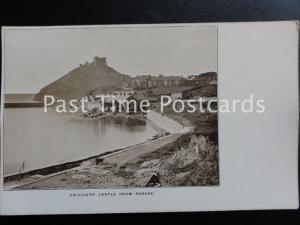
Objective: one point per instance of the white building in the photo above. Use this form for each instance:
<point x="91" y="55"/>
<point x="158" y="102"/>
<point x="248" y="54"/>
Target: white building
<point x="122" y="94"/>
<point x="176" y="95"/>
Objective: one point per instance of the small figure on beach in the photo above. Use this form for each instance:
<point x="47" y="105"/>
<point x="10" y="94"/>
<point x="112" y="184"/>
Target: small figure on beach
<point x="22" y="168"/>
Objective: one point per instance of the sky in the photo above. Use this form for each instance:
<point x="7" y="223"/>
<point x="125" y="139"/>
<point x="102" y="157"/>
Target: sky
<point x="35" y="57"/>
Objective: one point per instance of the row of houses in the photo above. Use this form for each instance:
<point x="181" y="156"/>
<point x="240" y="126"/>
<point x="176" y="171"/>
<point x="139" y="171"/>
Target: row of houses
<point x="112" y="94"/>
<point x="181" y="92"/>
<point x="148" y="81"/>
<point x="206" y="88"/>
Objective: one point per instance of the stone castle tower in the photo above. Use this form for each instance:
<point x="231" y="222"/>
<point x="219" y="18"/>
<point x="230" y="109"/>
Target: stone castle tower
<point x="97" y="61"/>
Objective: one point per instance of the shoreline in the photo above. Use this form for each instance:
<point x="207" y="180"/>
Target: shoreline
<point x="72" y="164"/>
<point x="51" y="171"/>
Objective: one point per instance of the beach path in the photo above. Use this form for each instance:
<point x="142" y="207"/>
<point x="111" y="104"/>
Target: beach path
<point x="122" y="157"/>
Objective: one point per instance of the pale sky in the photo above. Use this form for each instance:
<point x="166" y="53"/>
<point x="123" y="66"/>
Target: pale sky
<point x="35" y="57"/>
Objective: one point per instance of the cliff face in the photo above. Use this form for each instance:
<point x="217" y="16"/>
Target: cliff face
<point x="79" y="81"/>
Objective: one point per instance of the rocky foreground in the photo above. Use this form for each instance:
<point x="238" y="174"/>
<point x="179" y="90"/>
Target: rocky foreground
<point x="191" y="160"/>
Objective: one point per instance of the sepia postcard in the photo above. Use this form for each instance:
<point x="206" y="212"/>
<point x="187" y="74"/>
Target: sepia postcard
<point x="149" y="118"/>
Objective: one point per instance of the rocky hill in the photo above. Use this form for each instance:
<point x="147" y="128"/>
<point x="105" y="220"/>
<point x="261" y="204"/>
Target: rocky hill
<point x="97" y="75"/>
<point x="84" y="78"/>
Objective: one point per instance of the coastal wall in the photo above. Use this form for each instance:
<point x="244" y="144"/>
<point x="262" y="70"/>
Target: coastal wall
<point x="21" y="101"/>
<point x="165" y="122"/>
<point x="23" y="104"/>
